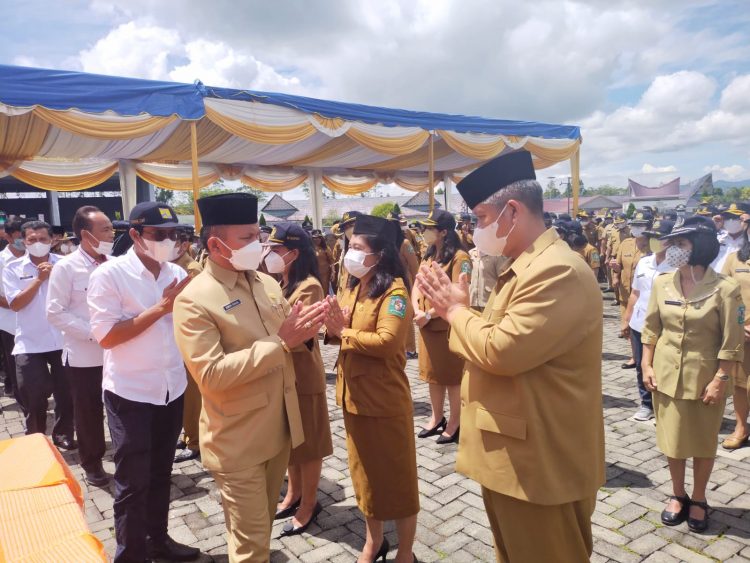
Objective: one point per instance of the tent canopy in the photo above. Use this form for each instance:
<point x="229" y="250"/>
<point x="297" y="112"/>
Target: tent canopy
<point x="64" y="130"/>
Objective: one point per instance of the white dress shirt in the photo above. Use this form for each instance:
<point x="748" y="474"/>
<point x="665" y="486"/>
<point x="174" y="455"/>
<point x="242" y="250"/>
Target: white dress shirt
<point x="68" y="310"/>
<point x="147" y="368"/>
<point x="33" y="333"/>
<point x="7" y="316"/>
<point x="728" y="245"/>
<point x="643" y="279"/>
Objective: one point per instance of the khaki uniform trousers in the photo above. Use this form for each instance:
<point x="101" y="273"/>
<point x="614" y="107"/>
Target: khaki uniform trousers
<point x="191" y="414"/>
<point x="249" y="500"/>
<point x="532" y="533"/>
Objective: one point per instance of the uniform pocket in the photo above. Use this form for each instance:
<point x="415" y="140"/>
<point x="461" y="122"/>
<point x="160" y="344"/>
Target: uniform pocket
<point x="505" y="424"/>
<point x="80" y="285"/>
<point x="245" y="404"/>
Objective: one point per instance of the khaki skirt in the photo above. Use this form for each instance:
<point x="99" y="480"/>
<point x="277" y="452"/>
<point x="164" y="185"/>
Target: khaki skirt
<point x="687" y="428"/>
<point x="437" y="364"/>
<point x="315" y="422"/>
<point x="383" y="465"/>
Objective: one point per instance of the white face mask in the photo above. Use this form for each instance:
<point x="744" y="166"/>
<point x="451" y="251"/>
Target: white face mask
<point x="354" y="262"/>
<point x="246" y="258"/>
<point x="102" y="246"/>
<point x="677" y="257"/>
<point x="487" y="242"/>
<point x="39" y="249"/>
<point x="275" y="263"/>
<point x="732" y="226"/>
<point x="429" y="236"/>
<point x="162" y="251"/>
<point x="637" y="231"/>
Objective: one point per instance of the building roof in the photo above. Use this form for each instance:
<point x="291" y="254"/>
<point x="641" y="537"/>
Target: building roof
<point x="278" y="203"/>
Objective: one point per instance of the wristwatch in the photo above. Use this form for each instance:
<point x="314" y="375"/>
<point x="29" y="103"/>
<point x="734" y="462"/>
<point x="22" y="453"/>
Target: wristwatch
<point x="722" y="376"/>
<point x="428" y="316"/>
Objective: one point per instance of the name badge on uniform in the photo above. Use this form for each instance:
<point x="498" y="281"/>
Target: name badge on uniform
<point x="232" y="305"/>
<point x="743" y="270"/>
<point x="25" y="277"/>
<point x="640" y="275"/>
<point x="669" y="302"/>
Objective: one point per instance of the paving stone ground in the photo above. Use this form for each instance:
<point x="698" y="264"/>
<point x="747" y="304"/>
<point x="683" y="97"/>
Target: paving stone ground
<point x="452" y="524"/>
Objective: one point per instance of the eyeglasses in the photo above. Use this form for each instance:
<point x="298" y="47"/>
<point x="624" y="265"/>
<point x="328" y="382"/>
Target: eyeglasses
<point x="159" y="235"/>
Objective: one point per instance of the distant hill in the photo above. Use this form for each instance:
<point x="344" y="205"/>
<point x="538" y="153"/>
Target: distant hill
<point x="723" y="184"/>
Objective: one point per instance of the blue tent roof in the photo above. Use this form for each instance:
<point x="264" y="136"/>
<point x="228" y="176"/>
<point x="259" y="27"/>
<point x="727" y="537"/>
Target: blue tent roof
<point x="94" y="93"/>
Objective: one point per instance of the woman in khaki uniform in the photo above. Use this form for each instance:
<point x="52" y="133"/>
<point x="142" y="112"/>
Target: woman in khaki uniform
<point x="324" y="258"/>
<point x="290" y="254"/>
<point x="438" y="366"/>
<point x="370" y="321"/>
<point x="692" y="341"/>
<point x="737" y="267"/>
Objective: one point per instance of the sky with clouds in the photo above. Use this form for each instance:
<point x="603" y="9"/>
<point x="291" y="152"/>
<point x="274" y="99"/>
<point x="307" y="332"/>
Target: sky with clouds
<point x="660" y="88"/>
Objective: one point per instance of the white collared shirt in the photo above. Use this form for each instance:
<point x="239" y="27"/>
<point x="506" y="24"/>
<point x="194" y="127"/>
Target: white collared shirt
<point x="7" y="316"/>
<point x="33" y="333"/>
<point x="727" y="247"/>
<point x="147" y="368"/>
<point x="643" y="280"/>
<point x="68" y="310"/>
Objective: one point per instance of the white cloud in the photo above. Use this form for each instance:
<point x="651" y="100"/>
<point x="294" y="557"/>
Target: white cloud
<point x="651" y="169"/>
<point x="732" y="172"/>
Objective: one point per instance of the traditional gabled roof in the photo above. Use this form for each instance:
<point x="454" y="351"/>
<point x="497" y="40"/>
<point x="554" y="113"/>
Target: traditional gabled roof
<point x="420" y="200"/>
<point x="668" y="190"/>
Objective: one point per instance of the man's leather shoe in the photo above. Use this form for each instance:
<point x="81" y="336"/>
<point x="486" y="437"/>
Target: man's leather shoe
<point x="98" y="477"/>
<point x="65" y="443"/>
<point x="186" y="455"/>
<point x="171" y="550"/>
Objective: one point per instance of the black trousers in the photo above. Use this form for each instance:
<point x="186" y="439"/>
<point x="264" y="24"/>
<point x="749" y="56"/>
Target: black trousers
<point x="86" y="388"/>
<point x="7" y="341"/>
<point x="38" y="376"/>
<point x="143" y="436"/>
<point x="646" y="398"/>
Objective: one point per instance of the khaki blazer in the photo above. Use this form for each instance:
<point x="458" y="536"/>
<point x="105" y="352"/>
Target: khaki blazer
<point x="371" y="380"/>
<point x="692" y="335"/>
<point x="627" y="257"/>
<point x="409" y="260"/>
<point x="740" y="272"/>
<point x="226" y="326"/>
<point x="615" y="239"/>
<point x="460" y="264"/>
<point x="531" y="398"/>
<point x="325" y="265"/>
<point x="187" y="263"/>
<point x="308" y="363"/>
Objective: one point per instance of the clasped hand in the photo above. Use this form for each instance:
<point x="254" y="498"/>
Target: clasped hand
<point x="444" y="295"/>
<point x="303" y="323"/>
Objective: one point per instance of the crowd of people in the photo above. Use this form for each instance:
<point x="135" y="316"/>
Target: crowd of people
<point x="209" y="347"/>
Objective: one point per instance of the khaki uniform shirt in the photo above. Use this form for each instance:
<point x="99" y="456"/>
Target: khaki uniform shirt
<point x="615" y="240"/>
<point x="187" y="263"/>
<point x="466" y="240"/>
<point x="691" y="335"/>
<point x="627" y="257"/>
<point x="308" y="363"/>
<point x="409" y="260"/>
<point x="325" y="265"/>
<point x="484" y="273"/>
<point x="740" y="272"/>
<point x="592" y="234"/>
<point x="460" y="264"/>
<point x="371" y="380"/>
<point x="412" y="238"/>
<point x="226" y="326"/>
<point x="531" y="419"/>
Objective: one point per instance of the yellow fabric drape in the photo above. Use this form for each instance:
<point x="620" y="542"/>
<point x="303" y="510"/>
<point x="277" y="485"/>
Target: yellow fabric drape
<point x="99" y="129"/>
<point x="417" y="158"/>
<point x="479" y="151"/>
<point x="548" y="156"/>
<point x="65" y="183"/>
<point x="575" y="172"/>
<point x="415" y="185"/>
<point x="22" y="136"/>
<point x="194" y="177"/>
<point x="349" y="189"/>
<point x="330" y="150"/>
<point x="386" y="145"/>
<point x="263" y="134"/>
<point x="176" y="183"/>
<point x="177" y="146"/>
<point x="268" y="185"/>
<point x="331" y="123"/>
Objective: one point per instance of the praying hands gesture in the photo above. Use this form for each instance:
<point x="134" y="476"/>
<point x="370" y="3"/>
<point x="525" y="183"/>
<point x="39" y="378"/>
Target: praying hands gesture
<point x="337" y="319"/>
<point x="303" y="323"/>
<point x="444" y="295"/>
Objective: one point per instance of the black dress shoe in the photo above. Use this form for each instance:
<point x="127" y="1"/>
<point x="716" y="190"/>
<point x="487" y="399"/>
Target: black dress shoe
<point x="434" y="431"/>
<point x="290" y="529"/>
<point x="412" y="355"/>
<point x="171" y="550"/>
<point x="186" y="455"/>
<point x="675" y="518"/>
<point x="65" y="443"/>
<point x="696" y="525"/>
<point x="628" y="366"/>
<point x="383" y="551"/>
<point x="288" y="511"/>
<point x="98" y="477"/>
<point x="181" y="445"/>
<point x="449" y="439"/>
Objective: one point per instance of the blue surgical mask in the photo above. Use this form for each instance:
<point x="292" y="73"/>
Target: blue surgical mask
<point x="18" y="244"/>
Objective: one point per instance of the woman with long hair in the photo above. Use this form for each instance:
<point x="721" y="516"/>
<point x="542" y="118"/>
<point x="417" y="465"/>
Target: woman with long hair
<point x="693" y="340"/>
<point x="438" y="366"/>
<point x="370" y="320"/>
<point x="290" y="255"/>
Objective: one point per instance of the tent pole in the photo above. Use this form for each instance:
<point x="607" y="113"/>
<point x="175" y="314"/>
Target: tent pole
<point x="431" y="173"/>
<point x="447" y="189"/>
<point x="316" y="196"/>
<point x="575" y="170"/>
<point x="194" y="163"/>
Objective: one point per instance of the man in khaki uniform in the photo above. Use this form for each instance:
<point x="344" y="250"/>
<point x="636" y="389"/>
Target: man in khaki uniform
<point x="485" y="270"/>
<point x="411" y="264"/>
<point x="346" y="227"/>
<point x="629" y="251"/>
<point x="532" y="430"/>
<point x="619" y="233"/>
<point x="235" y="332"/>
<point x="464" y="231"/>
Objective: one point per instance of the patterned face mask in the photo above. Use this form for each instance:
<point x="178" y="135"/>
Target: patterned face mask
<point x="678" y="257"/>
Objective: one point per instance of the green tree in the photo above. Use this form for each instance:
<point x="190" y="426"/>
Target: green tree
<point x="439" y="191"/>
<point x="331" y="218"/>
<point x="382" y="209"/>
<point x="262" y="220"/>
<point x="218" y="187"/>
<point x="631" y="211"/>
<point x="552" y="192"/>
<point x="163" y="196"/>
<point x="396" y="209"/>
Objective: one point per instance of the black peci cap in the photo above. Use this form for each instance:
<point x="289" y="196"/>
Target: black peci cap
<point x="153" y="214"/>
<point x="441" y="220"/>
<point x="377" y="227"/>
<point x="288" y="234"/>
<point x="237" y="208"/>
<point x="494" y="175"/>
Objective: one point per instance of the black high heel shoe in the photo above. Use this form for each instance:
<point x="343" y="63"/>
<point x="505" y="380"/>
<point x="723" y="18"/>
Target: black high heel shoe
<point x="675" y="518"/>
<point x="434" y="431"/>
<point x="290" y="529"/>
<point x="288" y="511"/>
<point x="383" y="551"/>
<point x="696" y="525"/>
<point x="449" y="439"/>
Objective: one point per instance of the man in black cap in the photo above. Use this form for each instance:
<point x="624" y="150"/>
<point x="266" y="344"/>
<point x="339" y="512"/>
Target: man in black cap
<point x="236" y="333"/>
<point x="130" y="300"/>
<point x="532" y="430"/>
<point x="464" y="231"/>
<point x="346" y="226"/>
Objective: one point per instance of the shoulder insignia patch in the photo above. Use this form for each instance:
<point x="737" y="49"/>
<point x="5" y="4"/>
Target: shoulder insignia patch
<point x="741" y="315"/>
<point x="397" y="306"/>
<point x="466" y="267"/>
